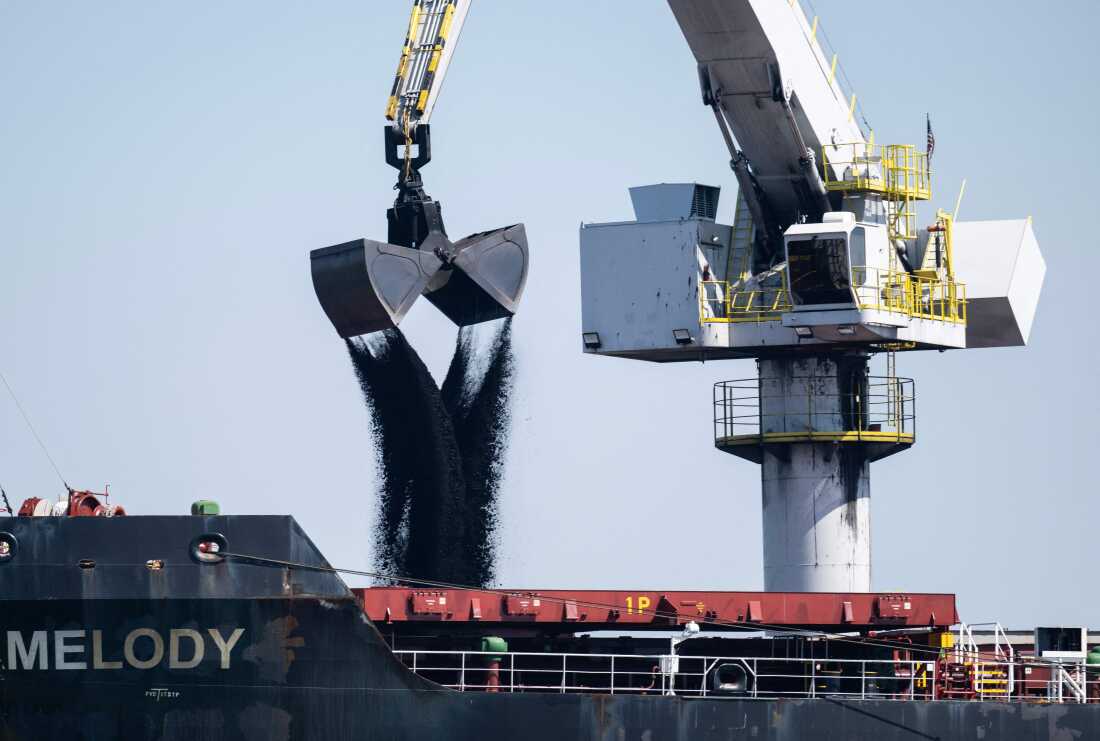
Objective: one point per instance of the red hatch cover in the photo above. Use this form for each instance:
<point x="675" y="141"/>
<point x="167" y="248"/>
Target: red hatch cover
<point x="429" y="603"/>
<point x="526" y="605"/>
<point x="893" y="607"/>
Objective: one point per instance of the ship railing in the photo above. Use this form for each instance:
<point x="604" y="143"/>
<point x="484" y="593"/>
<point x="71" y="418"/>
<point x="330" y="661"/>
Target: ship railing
<point x="966" y="643"/>
<point x="1072" y="680"/>
<point x="684" y="676"/>
<point x="759" y="678"/>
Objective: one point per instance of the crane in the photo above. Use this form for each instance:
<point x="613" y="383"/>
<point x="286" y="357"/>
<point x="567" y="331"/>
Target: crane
<point x="824" y="266"/>
<point x="365" y="285"/>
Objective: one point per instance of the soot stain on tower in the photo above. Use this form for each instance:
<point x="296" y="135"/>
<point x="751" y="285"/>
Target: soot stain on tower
<point x="440" y="451"/>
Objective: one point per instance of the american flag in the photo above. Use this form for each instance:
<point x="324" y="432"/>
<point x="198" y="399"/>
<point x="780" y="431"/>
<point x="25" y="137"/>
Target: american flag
<point x="930" y="147"/>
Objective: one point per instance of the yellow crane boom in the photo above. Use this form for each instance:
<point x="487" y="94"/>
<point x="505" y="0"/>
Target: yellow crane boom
<point x="434" y="28"/>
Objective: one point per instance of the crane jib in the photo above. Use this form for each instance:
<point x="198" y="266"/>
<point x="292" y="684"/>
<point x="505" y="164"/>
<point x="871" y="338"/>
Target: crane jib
<point x="434" y="27"/>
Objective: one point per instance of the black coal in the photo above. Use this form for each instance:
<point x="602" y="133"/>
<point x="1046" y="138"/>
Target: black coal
<point x="440" y="453"/>
<point x="478" y="404"/>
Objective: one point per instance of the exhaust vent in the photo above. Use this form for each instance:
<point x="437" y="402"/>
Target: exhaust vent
<point x="675" y="202"/>
<point x="704" y="202"/>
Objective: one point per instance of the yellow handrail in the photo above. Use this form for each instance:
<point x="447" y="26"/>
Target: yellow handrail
<point x="917" y="296"/>
<point x="920" y="297"/>
<point x="895" y="171"/>
<point x="718" y="304"/>
<point x="883" y="410"/>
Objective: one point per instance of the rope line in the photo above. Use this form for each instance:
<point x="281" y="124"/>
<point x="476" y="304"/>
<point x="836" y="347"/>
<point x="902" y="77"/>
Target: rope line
<point x="34" y="432"/>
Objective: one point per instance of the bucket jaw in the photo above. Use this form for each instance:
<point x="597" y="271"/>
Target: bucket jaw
<point x="366" y="286"/>
<point x="484" y="279"/>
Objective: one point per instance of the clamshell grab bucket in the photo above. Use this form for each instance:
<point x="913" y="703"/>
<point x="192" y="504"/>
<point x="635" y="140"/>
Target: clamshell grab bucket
<point x="366" y="286"/>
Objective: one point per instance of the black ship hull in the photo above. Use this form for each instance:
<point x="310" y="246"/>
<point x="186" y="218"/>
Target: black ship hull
<point x="111" y="629"/>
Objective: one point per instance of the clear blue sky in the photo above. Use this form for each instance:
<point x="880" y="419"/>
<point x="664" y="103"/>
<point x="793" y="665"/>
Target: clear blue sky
<point x="167" y="167"/>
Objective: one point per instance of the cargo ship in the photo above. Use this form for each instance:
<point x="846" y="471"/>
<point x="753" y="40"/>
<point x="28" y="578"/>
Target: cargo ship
<point x="208" y="627"/>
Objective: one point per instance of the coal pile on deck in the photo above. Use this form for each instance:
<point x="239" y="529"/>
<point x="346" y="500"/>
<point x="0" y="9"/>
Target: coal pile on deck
<point x="440" y="451"/>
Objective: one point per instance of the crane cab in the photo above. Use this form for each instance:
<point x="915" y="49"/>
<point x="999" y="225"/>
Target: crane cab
<point x="847" y="283"/>
<point x="829" y="263"/>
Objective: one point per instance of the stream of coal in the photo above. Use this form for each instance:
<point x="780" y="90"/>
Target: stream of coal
<point x="440" y="451"/>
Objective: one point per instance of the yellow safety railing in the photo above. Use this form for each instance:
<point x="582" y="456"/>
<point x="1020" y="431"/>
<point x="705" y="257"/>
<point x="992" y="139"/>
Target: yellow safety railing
<point x="879" y="289"/>
<point x="719" y="303"/>
<point x="754" y="410"/>
<point x="895" y="171"/>
<point x="912" y="295"/>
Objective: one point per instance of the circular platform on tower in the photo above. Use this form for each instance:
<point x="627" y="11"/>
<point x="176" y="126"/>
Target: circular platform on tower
<point x="752" y="415"/>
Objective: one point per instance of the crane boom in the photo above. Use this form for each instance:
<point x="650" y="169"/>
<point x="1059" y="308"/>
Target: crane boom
<point x="762" y="70"/>
<point x="434" y="28"/>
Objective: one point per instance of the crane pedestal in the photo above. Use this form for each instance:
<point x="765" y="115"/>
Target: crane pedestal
<point x="814" y="423"/>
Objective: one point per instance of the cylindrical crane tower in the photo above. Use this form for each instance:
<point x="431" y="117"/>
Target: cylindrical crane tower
<point x="814" y="423"/>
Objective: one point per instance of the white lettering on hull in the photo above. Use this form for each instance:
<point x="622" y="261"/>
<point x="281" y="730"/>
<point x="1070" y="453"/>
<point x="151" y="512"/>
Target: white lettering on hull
<point x="142" y="649"/>
<point x="130" y="654"/>
<point x="226" y="646"/>
<point x="61" y="649"/>
<point x="198" y="648"/>
<point x="97" y="653"/>
<point x="19" y="653"/>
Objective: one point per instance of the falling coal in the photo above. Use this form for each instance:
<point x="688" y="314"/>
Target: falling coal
<point x="419" y="528"/>
<point x="476" y="393"/>
<point x="440" y="451"/>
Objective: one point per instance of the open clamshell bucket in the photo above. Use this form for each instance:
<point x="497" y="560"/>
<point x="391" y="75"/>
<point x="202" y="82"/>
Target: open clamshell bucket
<point x="485" y="278"/>
<point x="366" y="286"/>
